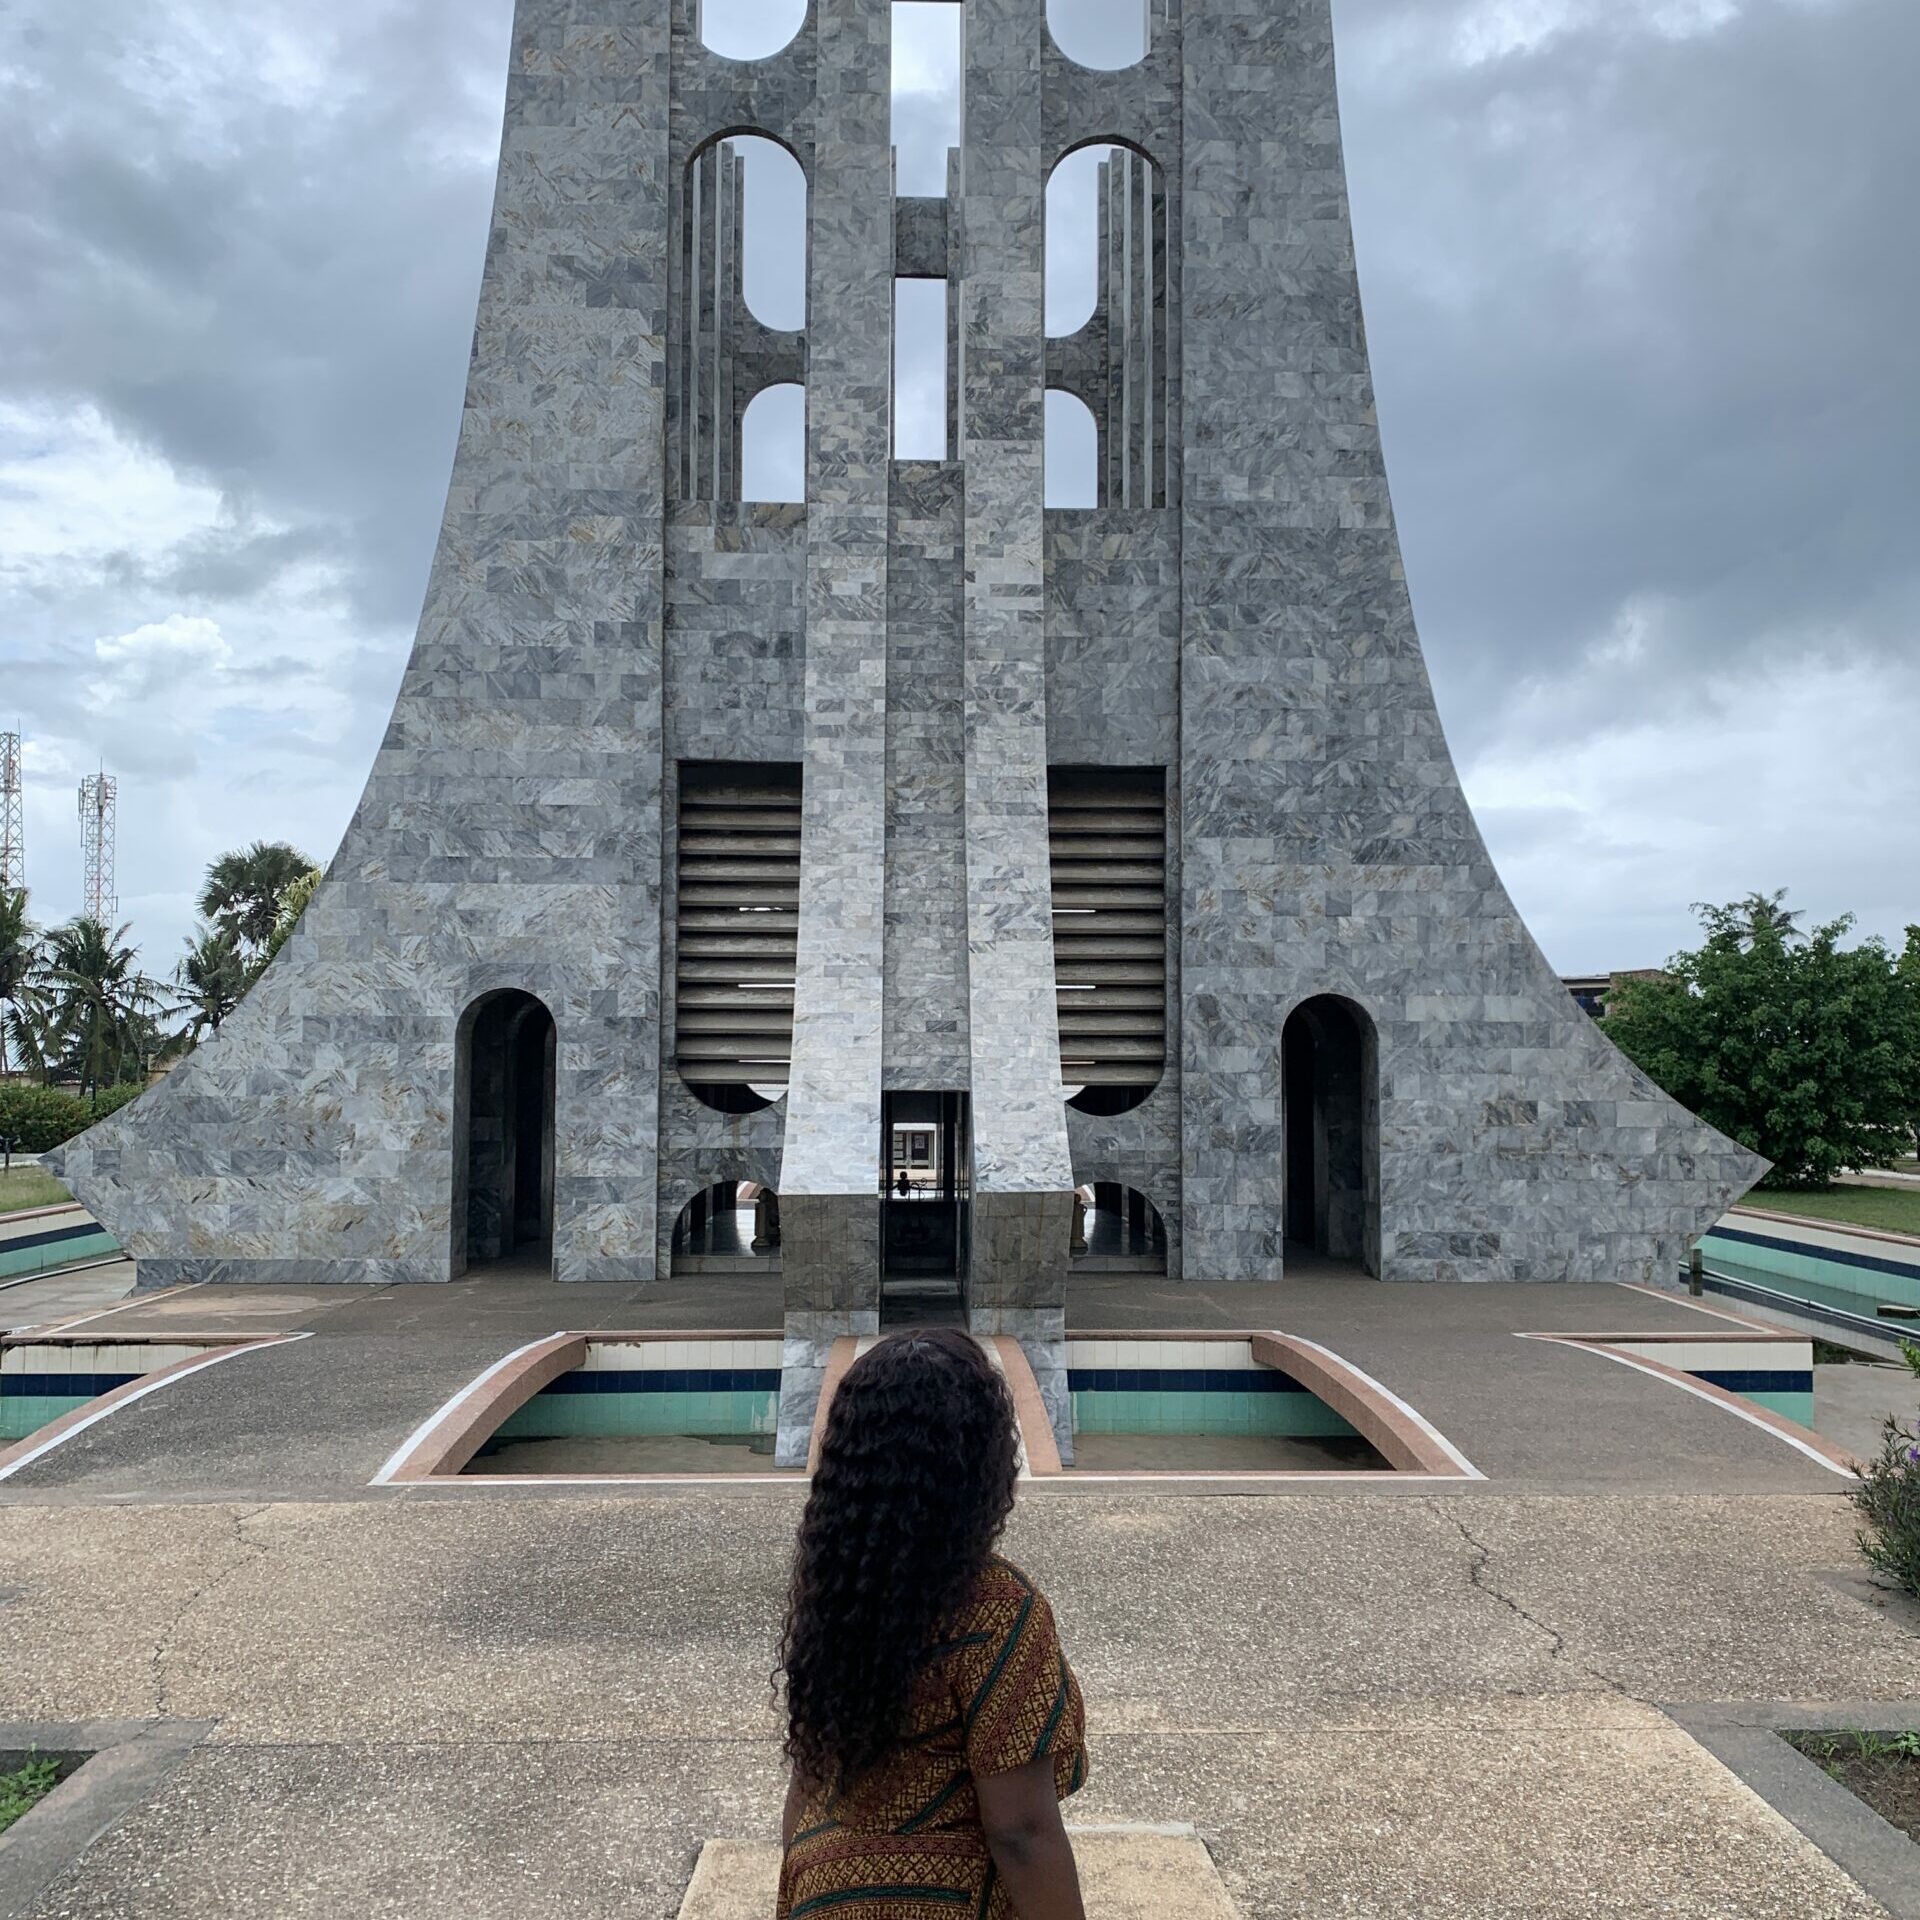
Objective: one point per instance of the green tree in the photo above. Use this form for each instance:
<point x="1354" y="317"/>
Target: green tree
<point x="293" y="903"/>
<point x="1910" y="987"/>
<point x="101" y="1013"/>
<point x="212" y="978"/>
<point x="1798" y="1049"/>
<point x="22" y="966"/>
<point x="245" y="891"/>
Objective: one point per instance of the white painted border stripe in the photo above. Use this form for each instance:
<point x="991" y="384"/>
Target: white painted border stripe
<point x="418" y="1437"/>
<point x="464" y="1482"/>
<point x="1258" y="1477"/>
<point x="1468" y="1471"/>
<point x="1693" y="1387"/>
<point x="140" y="1393"/>
<point x="1062" y="1483"/>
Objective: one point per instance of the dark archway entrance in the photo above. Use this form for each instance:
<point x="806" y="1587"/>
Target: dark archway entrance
<point x="503" y="1154"/>
<point x="732" y="1226"/>
<point x="1119" y="1230"/>
<point x="1330" y="1085"/>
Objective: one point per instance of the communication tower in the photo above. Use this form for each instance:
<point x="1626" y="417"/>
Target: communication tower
<point x="13" y="827"/>
<point x="99" y="795"/>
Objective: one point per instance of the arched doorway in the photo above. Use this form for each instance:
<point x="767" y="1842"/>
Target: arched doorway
<point x="1117" y="1230"/>
<point x="1330" y="1088"/>
<point x="731" y="1226"/>
<point x="503" y="1150"/>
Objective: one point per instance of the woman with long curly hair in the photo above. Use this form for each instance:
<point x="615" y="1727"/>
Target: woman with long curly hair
<point x="933" y="1724"/>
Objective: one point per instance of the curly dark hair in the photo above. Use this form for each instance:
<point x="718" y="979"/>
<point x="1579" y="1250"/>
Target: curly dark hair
<point x="915" y="1482"/>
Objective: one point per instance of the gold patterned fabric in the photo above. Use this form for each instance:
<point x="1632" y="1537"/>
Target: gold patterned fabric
<point x="906" y="1843"/>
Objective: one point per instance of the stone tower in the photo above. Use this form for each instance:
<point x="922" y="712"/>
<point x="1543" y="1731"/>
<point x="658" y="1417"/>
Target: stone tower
<point x="1114" y="849"/>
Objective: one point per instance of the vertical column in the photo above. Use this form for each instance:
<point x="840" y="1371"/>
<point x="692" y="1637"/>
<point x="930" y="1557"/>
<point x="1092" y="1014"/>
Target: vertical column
<point x="1113" y="315"/>
<point x="1023" y="1182"/>
<point x="954" y="449"/>
<point x="830" y="1173"/>
<point x="565" y="419"/>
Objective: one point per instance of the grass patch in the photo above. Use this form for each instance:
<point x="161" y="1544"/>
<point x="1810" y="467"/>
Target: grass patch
<point x="24" y="1187"/>
<point x="26" y="1786"/>
<point x="1826" y="1354"/>
<point x="1887" y="1209"/>
<point x="1883" y="1769"/>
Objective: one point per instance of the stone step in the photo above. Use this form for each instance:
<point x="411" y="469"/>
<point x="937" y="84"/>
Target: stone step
<point x="1126" y="1873"/>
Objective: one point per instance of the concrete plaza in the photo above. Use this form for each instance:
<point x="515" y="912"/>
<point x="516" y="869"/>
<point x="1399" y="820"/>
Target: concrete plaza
<point x="1389" y="1700"/>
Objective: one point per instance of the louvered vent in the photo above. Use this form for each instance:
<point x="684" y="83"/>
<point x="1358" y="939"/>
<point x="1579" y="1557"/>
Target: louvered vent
<point x="738" y="930"/>
<point x="1109" y="832"/>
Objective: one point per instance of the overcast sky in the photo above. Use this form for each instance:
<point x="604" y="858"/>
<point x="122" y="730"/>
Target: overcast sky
<point x="1641" y="286"/>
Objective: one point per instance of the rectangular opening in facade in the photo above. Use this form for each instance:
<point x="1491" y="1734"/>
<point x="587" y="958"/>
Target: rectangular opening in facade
<point x="736" y="935"/>
<point x="924" y="1165"/>
<point x="926" y="93"/>
<point x="921" y="374"/>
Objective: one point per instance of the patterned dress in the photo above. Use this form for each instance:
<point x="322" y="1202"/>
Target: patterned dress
<point x="907" y="1843"/>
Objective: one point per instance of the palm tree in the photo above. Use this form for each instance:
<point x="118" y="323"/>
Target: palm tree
<point x="244" y="891"/>
<point x="20" y="970"/>
<point x="1768" y="913"/>
<point x="293" y="903"/>
<point x="1760" y="916"/>
<point x="213" y="979"/>
<point x="102" y="1005"/>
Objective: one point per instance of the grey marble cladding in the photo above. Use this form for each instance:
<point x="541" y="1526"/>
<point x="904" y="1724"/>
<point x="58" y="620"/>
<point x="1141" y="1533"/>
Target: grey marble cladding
<point x="1022" y="1166"/>
<point x="830" y="1168"/>
<point x="926" y="1042"/>
<point x="925" y="640"/>
<point x="509" y="834"/>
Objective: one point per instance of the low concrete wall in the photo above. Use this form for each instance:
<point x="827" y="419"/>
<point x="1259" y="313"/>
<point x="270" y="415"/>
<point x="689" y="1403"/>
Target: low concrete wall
<point x="1879" y="1266"/>
<point x="48" y="1237"/>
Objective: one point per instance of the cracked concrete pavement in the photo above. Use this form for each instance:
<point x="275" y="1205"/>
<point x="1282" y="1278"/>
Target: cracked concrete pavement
<point x="1365" y="1706"/>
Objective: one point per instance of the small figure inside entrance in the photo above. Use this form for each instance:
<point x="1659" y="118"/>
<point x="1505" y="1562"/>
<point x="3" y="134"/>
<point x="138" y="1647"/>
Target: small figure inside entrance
<point x="903" y="1187"/>
<point x="933" y="1723"/>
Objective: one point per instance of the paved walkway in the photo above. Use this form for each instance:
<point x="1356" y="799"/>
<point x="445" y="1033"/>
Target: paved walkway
<point x="1384" y="1702"/>
<point x="529" y="1709"/>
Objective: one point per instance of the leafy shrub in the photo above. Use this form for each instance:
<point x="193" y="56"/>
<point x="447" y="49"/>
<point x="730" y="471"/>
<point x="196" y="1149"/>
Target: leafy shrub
<point x="112" y="1099"/>
<point x="1888" y="1499"/>
<point x="38" y="1119"/>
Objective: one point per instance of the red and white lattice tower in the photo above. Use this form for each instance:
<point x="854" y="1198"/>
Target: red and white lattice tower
<point x="13" y="824"/>
<point x="99" y="794"/>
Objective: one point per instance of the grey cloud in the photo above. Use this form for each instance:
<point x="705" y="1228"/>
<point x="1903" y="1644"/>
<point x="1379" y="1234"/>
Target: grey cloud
<point x="1641" y="312"/>
<point x="275" y="299"/>
<point x="1640" y="303"/>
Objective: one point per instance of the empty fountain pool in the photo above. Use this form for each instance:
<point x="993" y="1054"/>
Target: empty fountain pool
<point x="627" y="1406"/>
<point x="1164" y="1403"/>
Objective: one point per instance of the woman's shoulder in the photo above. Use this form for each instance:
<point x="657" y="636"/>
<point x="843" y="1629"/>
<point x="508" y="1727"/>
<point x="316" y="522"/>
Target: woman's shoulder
<point x="1005" y="1593"/>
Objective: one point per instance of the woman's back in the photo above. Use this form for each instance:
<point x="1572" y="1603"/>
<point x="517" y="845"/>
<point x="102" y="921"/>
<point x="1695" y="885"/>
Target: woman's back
<point x="931" y="1752"/>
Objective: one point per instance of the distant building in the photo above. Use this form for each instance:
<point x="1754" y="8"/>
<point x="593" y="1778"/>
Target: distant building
<point x="1590" y="990"/>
